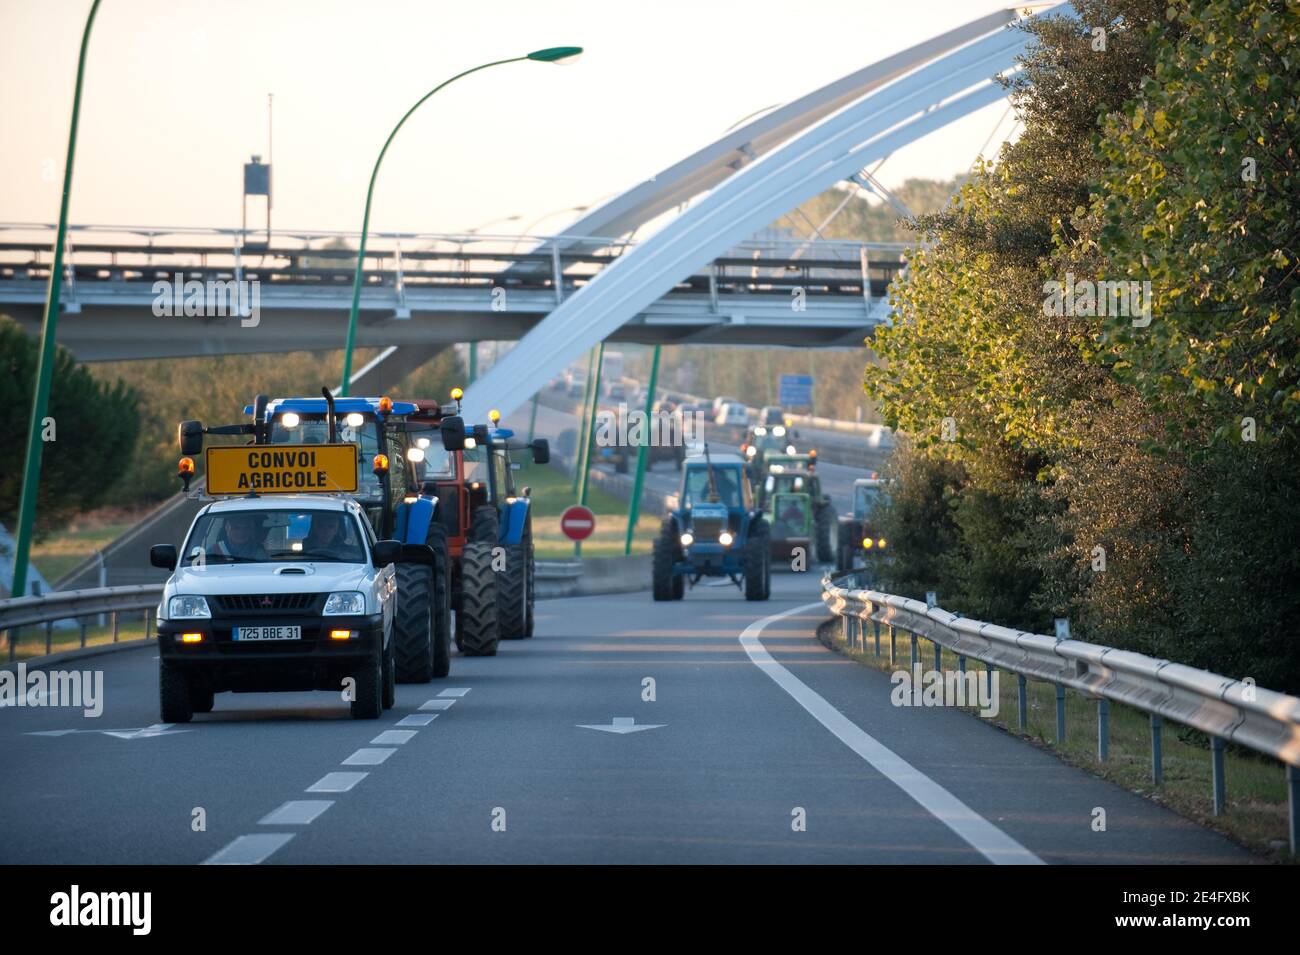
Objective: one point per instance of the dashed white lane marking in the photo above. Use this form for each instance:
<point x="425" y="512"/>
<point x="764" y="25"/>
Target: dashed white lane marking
<point x="436" y="704"/>
<point x="336" y="782"/>
<point x="249" y="850"/>
<point x="986" y="838"/>
<point x="392" y="737"/>
<point x="296" y="812"/>
<point x="417" y="719"/>
<point x="368" y="757"/>
<point x="455" y="691"/>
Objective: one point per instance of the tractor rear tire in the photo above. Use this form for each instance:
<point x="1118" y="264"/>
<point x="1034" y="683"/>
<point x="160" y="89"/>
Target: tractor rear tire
<point x="825" y="527"/>
<point x="476" y="623"/>
<point x="413" y="623"/>
<point x="758" y="564"/>
<point x="665" y="585"/>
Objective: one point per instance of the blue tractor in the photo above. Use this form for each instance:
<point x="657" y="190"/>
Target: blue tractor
<point x="715" y="529"/>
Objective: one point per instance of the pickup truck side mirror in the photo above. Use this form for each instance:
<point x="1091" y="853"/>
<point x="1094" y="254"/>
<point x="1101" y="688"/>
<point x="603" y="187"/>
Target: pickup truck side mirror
<point x="163" y="555"/>
<point x="453" y="433"/>
<point x="387" y="552"/>
<point x="541" y="451"/>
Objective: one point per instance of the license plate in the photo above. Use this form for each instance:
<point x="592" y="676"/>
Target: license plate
<point x="268" y="633"/>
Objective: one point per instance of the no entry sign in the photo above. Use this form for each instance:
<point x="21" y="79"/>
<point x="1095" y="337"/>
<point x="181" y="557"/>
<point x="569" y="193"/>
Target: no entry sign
<point x="577" y="522"/>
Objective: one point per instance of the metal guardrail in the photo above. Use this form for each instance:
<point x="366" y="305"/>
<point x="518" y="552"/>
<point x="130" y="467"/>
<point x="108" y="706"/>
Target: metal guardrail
<point x="1223" y="708"/>
<point x="79" y="605"/>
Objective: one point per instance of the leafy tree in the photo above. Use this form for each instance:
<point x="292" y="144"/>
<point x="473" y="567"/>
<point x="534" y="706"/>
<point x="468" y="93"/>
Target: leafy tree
<point x="93" y="429"/>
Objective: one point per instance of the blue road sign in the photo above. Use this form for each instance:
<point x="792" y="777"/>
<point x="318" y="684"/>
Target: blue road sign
<point x="795" y="391"/>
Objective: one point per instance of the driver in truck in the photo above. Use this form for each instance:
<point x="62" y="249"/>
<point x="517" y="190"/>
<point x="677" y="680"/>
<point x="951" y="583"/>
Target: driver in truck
<point x="240" y="539"/>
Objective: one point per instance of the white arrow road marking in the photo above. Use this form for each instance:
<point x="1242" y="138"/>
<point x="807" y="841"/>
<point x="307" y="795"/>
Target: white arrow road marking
<point x="620" y="725"/>
<point x="249" y="850"/>
<point x="147" y="732"/>
<point x="986" y="838"/>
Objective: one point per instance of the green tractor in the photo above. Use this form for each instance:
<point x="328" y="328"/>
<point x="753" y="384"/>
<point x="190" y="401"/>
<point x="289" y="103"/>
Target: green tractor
<point x="859" y="533"/>
<point x="782" y="470"/>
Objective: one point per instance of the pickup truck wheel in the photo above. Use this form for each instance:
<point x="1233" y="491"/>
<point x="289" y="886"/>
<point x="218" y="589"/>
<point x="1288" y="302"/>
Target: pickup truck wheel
<point x="368" y="695"/>
<point x="413" y="623"/>
<point x="174" y="694"/>
<point x="477" y="619"/>
<point x="202" y="698"/>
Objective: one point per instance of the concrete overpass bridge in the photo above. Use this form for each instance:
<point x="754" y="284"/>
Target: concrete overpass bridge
<point x="422" y="290"/>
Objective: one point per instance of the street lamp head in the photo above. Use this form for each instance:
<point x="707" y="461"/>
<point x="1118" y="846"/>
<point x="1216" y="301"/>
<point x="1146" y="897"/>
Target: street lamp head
<point x="556" y="54"/>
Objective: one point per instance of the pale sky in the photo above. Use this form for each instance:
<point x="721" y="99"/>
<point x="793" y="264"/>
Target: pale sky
<point x="176" y="94"/>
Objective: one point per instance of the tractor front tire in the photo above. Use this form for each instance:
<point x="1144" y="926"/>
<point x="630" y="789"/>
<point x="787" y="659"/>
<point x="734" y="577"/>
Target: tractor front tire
<point x="758" y="564"/>
<point x="413" y="623"/>
<point x="666" y="586"/>
<point x="825" y="527"/>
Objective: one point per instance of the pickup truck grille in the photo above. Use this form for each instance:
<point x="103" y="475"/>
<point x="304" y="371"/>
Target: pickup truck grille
<point x="264" y="603"/>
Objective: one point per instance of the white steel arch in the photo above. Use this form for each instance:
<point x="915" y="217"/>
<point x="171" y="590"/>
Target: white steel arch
<point x="872" y="126"/>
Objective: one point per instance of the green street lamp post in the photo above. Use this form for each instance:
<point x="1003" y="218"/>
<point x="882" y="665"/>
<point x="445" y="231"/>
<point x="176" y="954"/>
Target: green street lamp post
<point x="49" y="328"/>
<point x="553" y="54"/>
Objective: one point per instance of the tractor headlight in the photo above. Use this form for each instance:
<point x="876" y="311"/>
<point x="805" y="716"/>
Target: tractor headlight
<point x="688" y="539"/>
<point x="789" y="449"/>
<point x="779" y="431"/>
<point x="725" y="538"/>
<point x="415" y="455"/>
<point x="188" y="607"/>
<point x="290" y="419"/>
<point x="355" y="419"/>
<point x="761" y="431"/>
<point x="345" y="602"/>
<point x="751" y="451"/>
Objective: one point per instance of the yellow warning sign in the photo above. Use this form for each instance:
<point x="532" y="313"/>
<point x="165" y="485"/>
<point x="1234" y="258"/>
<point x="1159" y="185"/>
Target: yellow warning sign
<point x="282" y="469"/>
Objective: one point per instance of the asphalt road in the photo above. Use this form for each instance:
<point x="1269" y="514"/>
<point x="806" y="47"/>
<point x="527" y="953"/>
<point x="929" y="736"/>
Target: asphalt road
<point x="756" y="725"/>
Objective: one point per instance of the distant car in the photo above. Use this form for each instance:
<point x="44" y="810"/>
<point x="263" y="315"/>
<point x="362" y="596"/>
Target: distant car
<point x="720" y="401"/>
<point x="771" y="415"/>
<point x="733" y="414"/>
<point x="617" y="392"/>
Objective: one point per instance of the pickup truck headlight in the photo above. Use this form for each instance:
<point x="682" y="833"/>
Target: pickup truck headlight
<point x="188" y="607"/>
<point x="345" y="603"/>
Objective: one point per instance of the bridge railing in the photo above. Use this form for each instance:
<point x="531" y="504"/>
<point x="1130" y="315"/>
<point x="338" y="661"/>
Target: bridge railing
<point x="1221" y="707"/>
<point x="401" y="261"/>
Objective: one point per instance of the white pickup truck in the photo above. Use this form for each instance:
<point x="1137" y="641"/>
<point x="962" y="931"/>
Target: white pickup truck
<point x="290" y="592"/>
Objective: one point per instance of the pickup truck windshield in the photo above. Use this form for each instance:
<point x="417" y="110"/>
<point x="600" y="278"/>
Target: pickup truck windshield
<point x="268" y="536"/>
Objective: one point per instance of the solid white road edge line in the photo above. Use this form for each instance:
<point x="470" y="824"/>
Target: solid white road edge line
<point x="986" y="838"/>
